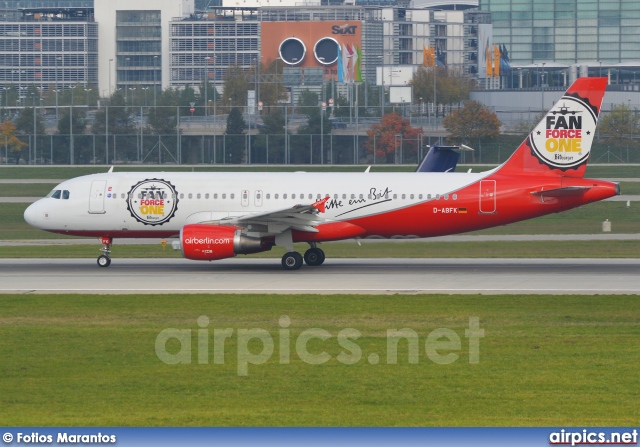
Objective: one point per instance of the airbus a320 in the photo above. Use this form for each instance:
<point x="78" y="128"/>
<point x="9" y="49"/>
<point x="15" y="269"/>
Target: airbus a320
<point x="220" y="215"/>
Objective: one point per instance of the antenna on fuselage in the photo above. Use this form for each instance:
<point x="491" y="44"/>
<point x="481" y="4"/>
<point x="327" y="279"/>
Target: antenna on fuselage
<point x="110" y="170"/>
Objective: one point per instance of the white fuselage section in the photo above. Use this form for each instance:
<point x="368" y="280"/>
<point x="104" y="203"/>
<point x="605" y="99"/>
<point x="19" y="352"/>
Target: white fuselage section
<point x="163" y="202"/>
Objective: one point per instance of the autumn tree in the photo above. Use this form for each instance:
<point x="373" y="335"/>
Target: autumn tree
<point x="387" y="136"/>
<point x="472" y="124"/>
<point x="618" y="127"/>
<point x="12" y="142"/>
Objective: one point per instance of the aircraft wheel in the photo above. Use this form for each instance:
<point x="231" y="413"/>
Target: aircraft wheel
<point x="292" y="260"/>
<point x="314" y="257"/>
<point x="104" y="261"/>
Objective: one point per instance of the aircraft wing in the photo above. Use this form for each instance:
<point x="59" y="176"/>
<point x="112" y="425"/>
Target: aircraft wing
<point x="298" y="217"/>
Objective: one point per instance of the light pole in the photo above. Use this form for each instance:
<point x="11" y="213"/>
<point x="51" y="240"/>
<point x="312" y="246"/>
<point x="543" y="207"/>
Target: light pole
<point x="57" y="59"/>
<point x="71" y="152"/>
<point x="155" y="87"/>
<point x="86" y="94"/>
<point x="542" y="88"/>
<point x="382" y="87"/>
<point x="35" y="129"/>
<point x="206" y="85"/>
<point x="126" y="78"/>
<point x="110" y="60"/>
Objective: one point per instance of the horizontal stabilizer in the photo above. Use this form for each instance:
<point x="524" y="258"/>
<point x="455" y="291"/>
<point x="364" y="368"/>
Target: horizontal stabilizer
<point x="569" y="191"/>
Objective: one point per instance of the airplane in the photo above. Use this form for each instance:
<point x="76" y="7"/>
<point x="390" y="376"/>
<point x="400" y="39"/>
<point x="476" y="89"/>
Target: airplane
<point x="221" y="215"/>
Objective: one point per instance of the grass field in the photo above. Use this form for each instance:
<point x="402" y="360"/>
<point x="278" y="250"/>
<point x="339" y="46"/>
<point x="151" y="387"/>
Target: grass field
<point x="86" y="360"/>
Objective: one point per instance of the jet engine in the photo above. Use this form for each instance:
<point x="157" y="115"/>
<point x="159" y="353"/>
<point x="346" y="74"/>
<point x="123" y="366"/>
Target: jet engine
<point x="203" y="242"/>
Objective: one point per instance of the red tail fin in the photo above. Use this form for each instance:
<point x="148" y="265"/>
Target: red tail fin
<point x="560" y="144"/>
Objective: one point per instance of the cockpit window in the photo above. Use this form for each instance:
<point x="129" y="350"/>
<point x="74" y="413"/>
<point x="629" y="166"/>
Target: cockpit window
<point x="65" y="195"/>
<point x="56" y="194"/>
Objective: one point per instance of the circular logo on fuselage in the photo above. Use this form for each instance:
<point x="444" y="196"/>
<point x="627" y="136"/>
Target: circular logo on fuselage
<point x="152" y="202"/>
<point x="563" y="138"/>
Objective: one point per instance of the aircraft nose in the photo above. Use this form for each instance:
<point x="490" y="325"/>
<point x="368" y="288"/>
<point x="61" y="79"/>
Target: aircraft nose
<point x="31" y="215"/>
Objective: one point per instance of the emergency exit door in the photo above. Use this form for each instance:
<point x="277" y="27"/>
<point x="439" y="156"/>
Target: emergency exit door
<point x="96" y="197"/>
<point x="487" y="196"/>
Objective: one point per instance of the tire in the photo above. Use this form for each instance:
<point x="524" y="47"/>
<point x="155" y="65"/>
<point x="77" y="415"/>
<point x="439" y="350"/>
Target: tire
<point x="104" y="261"/>
<point x="292" y="261"/>
<point x="314" y="257"/>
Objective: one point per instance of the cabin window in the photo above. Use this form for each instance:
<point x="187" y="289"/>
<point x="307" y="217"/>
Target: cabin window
<point x="420" y="197"/>
<point x="319" y="197"/>
<point x="404" y="196"/>
<point x="411" y="196"/>
<point x="395" y="196"/>
<point x="353" y="196"/>
<point x="335" y="196"/>
<point x="429" y="196"/>
<point x="344" y="196"/>
<point x="198" y="196"/>
<point x="275" y="196"/>
<point x="122" y="196"/>
<point x="310" y="196"/>
<point x="284" y="196"/>
<point x="181" y="195"/>
<point x="190" y="195"/>
<point x="206" y="196"/>
<point x="455" y="197"/>
<point x="446" y="197"/>
<point x="369" y="197"/>
<point x="215" y="196"/>
<point x="293" y="196"/>
<point x="232" y="196"/>
<point x="437" y="196"/>
<point x="224" y="196"/>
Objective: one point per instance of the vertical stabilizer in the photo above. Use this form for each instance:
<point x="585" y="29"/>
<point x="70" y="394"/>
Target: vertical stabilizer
<point x="561" y="143"/>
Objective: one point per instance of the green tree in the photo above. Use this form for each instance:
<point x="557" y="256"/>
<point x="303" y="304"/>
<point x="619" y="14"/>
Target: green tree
<point x="271" y="138"/>
<point x="120" y="121"/>
<point x="235" y="88"/>
<point x="234" y="136"/>
<point x="163" y="119"/>
<point x="471" y="124"/>
<point x="318" y="126"/>
<point x="619" y="127"/>
<point x="82" y="152"/>
<point x="392" y="133"/>
<point x="9" y="138"/>
<point x="450" y="88"/>
<point x="272" y="92"/>
<point x="24" y="122"/>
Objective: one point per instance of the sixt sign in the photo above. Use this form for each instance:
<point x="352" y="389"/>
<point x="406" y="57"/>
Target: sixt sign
<point x="344" y="29"/>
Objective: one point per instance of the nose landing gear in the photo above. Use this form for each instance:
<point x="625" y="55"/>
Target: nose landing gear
<point x="104" y="260"/>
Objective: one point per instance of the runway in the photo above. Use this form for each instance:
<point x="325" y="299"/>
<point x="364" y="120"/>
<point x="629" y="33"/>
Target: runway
<point x="351" y="276"/>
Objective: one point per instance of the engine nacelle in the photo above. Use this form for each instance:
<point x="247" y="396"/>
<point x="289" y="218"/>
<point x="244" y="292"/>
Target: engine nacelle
<point x="202" y="242"/>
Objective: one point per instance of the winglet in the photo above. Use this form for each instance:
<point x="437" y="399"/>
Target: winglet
<point x="320" y="204"/>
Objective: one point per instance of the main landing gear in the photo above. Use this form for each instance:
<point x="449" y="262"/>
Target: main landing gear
<point x="313" y="257"/>
<point x="104" y="260"/>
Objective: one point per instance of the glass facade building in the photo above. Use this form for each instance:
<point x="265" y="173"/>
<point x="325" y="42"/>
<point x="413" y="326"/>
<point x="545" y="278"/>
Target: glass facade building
<point x="567" y="31"/>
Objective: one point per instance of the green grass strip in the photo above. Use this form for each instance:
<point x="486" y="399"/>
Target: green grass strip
<point x="90" y="360"/>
